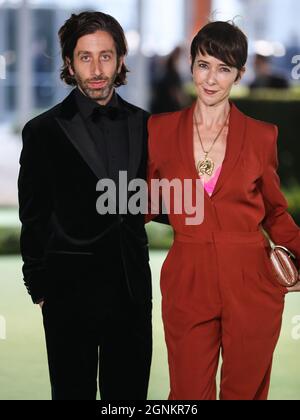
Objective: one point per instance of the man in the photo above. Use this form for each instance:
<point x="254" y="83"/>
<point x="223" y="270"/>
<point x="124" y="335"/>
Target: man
<point x="89" y="272"/>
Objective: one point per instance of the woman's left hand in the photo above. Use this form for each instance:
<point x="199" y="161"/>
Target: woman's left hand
<point x="295" y="288"/>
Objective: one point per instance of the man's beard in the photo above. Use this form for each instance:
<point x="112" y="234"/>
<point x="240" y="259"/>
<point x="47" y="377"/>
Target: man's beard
<point x="100" y="94"/>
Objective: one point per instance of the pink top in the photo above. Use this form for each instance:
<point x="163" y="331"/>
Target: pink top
<point x="210" y="185"/>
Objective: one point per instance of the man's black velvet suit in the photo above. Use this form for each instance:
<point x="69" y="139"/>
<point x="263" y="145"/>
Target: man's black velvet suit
<point x="91" y="270"/>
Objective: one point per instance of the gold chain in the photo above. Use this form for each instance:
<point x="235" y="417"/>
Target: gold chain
<point x="207" y="165"/>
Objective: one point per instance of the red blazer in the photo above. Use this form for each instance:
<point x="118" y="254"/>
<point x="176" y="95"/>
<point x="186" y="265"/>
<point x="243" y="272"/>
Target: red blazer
<point x="247" y="195"/>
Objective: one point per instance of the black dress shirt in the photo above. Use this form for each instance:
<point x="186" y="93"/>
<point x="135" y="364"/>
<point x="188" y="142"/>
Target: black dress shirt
<point x="108" y="128"/>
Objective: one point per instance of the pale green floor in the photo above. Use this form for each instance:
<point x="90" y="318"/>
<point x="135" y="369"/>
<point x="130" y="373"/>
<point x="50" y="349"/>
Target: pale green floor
<point x="23" y="364"/>
<point x="9" y="217"/>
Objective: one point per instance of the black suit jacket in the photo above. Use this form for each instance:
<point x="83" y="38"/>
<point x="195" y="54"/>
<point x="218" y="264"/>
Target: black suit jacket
<point x="62" y="234"/>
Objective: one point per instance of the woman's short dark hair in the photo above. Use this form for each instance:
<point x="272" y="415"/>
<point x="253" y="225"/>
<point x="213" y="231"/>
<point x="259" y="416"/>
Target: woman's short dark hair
<point x="84" y="24"/>
<point x="222" y="40"/>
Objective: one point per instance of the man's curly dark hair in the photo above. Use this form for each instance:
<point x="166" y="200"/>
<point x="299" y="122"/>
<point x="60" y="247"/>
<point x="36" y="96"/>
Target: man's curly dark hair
<point x="87" y="23"/>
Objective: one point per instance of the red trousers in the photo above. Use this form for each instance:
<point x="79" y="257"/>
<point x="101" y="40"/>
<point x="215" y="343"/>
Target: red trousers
<point x="219" y="295"/>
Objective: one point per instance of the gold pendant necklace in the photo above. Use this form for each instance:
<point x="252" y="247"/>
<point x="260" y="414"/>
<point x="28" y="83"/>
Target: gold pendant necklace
<point x="206" y="166"/>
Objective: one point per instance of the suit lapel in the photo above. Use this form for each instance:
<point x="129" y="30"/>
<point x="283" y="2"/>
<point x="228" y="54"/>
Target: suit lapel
<point x="235" y="143"/>
<point x="135" y="138"/>
<point x="135" y="145"/>
<point x="75" y="130"/>
<point x="79" y="136"/>
<point x="234" y="147"/>
<point x="185" y="138"/>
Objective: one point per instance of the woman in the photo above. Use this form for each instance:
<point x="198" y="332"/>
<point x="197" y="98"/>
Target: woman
<point x="219" y="292"/>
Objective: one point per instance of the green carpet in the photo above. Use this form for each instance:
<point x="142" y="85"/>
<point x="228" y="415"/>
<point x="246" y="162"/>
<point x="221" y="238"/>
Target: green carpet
<point x="23" y="363"/>
<point x="9" y="217"/>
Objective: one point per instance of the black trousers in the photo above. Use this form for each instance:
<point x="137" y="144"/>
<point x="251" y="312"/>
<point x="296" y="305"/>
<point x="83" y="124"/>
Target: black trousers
<point x="103" y="331"/>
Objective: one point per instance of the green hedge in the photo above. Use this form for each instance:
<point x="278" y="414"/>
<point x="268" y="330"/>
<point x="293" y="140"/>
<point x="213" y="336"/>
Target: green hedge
<point x="9" y="240"/>
<point x="292" y="195"/>
<point x="285" y="114"/>
<point x="160" y="237"/>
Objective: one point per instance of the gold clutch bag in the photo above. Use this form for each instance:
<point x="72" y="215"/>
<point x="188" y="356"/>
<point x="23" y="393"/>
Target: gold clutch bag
<point x="283" y="263"/>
